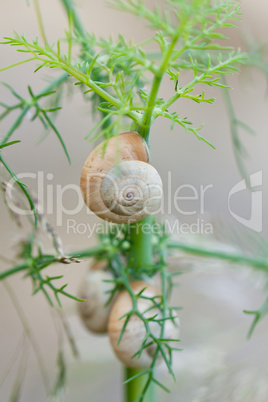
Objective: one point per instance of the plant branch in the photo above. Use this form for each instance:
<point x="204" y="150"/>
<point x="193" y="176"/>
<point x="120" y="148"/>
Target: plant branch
<point x="238" y="147"/>
<point x="205" y="77"/>
<point x="146" y="121"/>
<point x="261" y="263"/>
<point x="51" y="259"/>
<point x="51" y="59"/>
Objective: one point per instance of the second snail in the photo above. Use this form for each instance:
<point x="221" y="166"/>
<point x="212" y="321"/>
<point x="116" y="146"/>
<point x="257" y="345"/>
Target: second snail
<point x="100" y="317"/>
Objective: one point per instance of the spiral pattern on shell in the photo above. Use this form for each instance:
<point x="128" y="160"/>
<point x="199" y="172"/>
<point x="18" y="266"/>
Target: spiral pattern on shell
<point x="117" y="182"/>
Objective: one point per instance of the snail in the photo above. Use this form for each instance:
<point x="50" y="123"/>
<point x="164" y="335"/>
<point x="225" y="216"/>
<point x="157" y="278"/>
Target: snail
<point x="117" y="182"/>
<point x="134" y="333"/>
<point x="93" y="311"/>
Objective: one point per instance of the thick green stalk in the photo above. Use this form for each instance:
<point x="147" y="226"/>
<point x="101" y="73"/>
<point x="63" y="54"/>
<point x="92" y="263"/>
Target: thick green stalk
<point x="141" y="247"/>
<point x="141" y="255"/>
<point x="134" y="389"/>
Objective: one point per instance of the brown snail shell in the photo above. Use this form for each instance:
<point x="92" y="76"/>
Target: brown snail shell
<point x="117" y="182"/>
<point x="93" y="311"/>
<point x="135" y="331"/>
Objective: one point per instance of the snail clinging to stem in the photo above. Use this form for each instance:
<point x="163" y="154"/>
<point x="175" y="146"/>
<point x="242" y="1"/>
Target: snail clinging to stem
<point x="95" y="290"/>
<point x="117" y="182"/>
<point x="135" y="332"/>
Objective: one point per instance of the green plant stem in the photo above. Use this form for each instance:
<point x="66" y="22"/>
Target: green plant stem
<point x="134" y="389"/>
<point x="141" y="246"/>
<point x="146" y="123"/>
<point x="141" y="255"/>
<point x="147" y="117"/>
<point x="261" y="263"/>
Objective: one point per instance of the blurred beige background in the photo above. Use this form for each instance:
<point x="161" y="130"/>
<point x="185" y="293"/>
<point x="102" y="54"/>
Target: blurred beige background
<point x="217" y="356"/>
